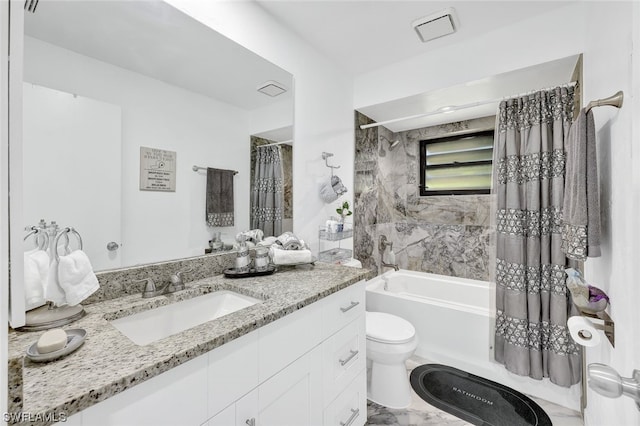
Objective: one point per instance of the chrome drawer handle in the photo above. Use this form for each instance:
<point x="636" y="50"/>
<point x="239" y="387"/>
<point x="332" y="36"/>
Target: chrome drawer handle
<point x="351" y="306"/>
<point x="349" y="358"/>
<point x="251" y="422"/>
<point x="354" y="414"/>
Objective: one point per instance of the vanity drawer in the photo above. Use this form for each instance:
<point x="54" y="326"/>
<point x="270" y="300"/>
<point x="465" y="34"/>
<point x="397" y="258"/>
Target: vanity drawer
<point x="343" y="307"/>
<point x="350" y="407"/>
<point x="343" y="357"/>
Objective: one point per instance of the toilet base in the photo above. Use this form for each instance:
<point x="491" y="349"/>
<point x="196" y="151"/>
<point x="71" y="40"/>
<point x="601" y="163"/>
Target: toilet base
<point x="389" y="385"/>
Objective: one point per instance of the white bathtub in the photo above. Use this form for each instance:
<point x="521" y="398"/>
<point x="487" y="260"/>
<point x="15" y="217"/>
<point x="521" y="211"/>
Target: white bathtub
<point x="454" y="321"/>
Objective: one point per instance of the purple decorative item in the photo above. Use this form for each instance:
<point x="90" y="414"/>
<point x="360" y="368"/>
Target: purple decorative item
<point x="595" y="294"/>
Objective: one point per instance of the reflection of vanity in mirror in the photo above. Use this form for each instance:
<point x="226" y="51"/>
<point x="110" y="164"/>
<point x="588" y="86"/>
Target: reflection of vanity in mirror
<point x="102" y="80"/>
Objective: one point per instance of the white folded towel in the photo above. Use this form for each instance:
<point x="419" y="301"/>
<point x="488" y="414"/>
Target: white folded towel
<point x="76" y="277"/>
<point x="280" y="256"/>
<point x="52" y="291"/>
<point x="36" y="273"/>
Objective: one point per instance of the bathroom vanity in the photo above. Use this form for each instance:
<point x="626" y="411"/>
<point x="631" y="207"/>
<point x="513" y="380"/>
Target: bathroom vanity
<point x="296" y="357"/>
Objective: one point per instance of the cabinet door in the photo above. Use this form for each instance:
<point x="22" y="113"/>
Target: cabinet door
<point x="176" y="397"/>
<point x="293" y="396"/>
<point x="226" y="417"/>
<point x="247" y="410"/>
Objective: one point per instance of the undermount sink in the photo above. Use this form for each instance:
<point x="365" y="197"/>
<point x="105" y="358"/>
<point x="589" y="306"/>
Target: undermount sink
<point x="155" y="324"/>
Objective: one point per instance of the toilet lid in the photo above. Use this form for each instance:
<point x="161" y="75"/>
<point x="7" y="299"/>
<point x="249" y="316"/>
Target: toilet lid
<point x="387" y="328"/>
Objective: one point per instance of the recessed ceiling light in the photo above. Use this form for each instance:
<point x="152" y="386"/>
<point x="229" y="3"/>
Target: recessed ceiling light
<point x="436" y="25"/>
<point x="272" y="88"/>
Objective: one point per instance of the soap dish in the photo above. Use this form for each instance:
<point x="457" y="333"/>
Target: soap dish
<point x="75" y="339"/>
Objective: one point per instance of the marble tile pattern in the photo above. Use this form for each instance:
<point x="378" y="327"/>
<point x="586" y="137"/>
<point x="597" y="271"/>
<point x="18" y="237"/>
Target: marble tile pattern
<point x="96" y="371"/>
<point x="448" y="235"/>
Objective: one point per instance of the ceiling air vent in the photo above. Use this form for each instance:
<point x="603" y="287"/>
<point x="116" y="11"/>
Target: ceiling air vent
<point x="437" y="25"/>
<point x="272" y="88"/>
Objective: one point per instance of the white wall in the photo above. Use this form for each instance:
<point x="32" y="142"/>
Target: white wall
<point x="204" y="132"/>
<point x="609" y="67"/>
<point x="4" y="199"/>
<point x="323" y="119"/>
<point x="604" y="32"/>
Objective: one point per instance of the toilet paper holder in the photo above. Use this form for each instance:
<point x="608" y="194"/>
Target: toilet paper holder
<point x="602" y="321"/>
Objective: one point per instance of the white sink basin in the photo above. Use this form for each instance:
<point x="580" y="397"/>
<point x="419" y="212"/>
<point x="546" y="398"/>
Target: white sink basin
<point x="155" y="324"/>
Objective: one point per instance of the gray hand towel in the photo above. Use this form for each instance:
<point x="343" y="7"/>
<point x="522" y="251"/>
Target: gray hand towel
<point x="219" y="209"/>
<point x="581" y="208"/>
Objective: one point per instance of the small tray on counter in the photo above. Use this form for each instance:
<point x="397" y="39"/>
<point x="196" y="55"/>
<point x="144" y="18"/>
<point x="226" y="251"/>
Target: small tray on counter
<point x="75" y="339"/>
<point x="233" y="273"/>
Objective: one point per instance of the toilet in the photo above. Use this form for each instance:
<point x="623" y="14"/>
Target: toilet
<point x="391" y="340"/>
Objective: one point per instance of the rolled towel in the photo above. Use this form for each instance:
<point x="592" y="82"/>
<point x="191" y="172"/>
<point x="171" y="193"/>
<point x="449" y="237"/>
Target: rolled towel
<point x="267" y="242"/>
<point x="36" y="275"/>
<point x="254" y="235"/>
<point x="289" y="241"/>
<point x="280" y="256"/>
<point x="76" y="277"/>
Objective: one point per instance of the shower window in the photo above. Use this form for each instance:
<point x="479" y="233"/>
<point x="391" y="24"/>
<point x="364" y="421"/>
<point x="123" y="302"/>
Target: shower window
<point x="456" y="165"/>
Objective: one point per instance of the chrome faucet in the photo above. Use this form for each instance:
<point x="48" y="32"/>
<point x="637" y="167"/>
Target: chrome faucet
<point x="176" y="279"/>
<point x="383" y="243"/>
<point x="150" y="289"/>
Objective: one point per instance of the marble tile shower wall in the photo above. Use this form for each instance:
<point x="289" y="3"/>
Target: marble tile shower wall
<point x="447" y="235"/>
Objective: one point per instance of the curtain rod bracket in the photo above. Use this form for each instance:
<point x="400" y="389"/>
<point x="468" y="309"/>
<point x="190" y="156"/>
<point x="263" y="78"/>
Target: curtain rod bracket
<point x="614" y="100"/>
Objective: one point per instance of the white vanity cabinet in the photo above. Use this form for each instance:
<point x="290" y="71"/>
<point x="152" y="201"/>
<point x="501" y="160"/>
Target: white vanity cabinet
<point x="307" y="368"/>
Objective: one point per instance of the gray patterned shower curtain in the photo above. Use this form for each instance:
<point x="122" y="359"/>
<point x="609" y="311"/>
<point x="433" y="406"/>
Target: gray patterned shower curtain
<point x="532" y="304"/>
<point x="267" y="197"/>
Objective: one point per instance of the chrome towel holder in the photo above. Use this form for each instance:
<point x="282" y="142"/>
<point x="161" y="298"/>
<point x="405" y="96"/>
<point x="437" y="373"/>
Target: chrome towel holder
<point x="65" y="232"/>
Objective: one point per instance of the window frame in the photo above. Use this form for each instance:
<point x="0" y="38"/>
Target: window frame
<point x="423" y="165"/>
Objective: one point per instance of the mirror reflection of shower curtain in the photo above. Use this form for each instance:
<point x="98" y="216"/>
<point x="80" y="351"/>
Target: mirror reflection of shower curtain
<point x="267" y="197"/>
<point x="531" y="335"/>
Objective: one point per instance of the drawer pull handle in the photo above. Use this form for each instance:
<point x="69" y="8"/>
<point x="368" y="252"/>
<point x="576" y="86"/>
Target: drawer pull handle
<point x="354" y="414"/>
<point x="251" y="422"/>
<point x="349" y="358"/>
<point x="351" y="306"/>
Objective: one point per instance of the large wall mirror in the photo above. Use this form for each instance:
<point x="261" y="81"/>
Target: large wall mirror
<point x="103" y="79"/>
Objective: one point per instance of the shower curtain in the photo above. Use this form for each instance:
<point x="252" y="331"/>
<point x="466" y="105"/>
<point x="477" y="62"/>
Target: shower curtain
<point x="532" y="303"/>
<point x="266" y="193"/>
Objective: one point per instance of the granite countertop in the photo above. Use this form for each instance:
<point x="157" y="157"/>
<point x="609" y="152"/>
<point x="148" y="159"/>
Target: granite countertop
<point x="109" y="362"/>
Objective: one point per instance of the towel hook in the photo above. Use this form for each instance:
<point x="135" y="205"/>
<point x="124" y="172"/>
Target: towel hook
<point x="325" y="156"/>
<point x="37" y="232"/>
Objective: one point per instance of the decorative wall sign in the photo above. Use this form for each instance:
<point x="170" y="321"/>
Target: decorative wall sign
<point x="157" y="170"/>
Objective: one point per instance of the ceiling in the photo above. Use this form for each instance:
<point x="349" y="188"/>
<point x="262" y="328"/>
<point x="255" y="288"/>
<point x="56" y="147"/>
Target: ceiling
<point x="361" y="35"/>
<point x="154" y="39"/>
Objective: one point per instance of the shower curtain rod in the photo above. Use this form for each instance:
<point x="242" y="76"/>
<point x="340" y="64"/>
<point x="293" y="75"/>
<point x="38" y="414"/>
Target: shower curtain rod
<point x="453" y="108"/>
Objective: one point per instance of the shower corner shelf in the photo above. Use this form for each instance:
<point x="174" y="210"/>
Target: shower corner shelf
<point x="335" y="254"/>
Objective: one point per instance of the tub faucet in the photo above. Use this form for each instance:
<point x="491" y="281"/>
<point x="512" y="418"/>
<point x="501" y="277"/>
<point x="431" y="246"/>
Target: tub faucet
<point x="382" y="246"/>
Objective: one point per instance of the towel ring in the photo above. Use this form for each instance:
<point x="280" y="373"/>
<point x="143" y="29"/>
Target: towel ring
<point x="37" y="232"/>
<point x="65" y="232"/>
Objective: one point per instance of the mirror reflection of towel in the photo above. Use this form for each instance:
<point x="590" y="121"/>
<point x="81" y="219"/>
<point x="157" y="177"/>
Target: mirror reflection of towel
<point x="76" y="277"/>
<point x="219" y="208"/>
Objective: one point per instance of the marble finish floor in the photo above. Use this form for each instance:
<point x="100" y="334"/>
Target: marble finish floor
<point x="420" y="413"/>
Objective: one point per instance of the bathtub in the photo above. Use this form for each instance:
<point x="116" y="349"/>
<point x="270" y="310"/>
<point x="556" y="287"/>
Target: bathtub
<point x="454" y="321"/>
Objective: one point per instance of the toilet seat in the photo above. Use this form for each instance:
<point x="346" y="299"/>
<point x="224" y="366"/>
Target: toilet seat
<point x="387" y="328"/>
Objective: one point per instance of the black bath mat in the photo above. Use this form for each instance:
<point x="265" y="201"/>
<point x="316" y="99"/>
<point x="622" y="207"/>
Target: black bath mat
<point x="477" y="400"/>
